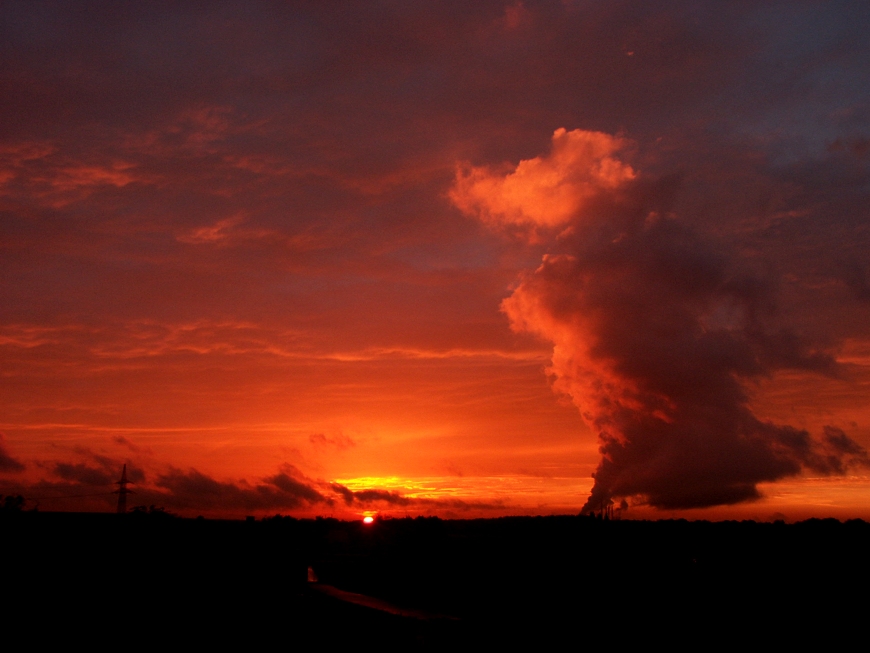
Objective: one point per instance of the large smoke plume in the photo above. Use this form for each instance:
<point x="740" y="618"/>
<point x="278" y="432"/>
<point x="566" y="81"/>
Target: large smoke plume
<point x="657" y="332"/>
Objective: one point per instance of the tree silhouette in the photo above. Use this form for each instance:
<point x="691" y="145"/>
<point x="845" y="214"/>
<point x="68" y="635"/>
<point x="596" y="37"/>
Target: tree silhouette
<point x="12" y="503"/>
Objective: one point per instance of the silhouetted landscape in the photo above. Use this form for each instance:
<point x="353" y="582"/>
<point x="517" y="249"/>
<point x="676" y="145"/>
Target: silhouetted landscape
<point x="536" y="580"/>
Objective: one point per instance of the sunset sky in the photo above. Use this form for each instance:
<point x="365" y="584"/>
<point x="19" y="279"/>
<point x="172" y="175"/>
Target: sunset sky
<point x="448" y="258"/>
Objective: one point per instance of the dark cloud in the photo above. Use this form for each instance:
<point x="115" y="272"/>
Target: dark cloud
<point x="8" y="464"/>
<point x="381" y="498"/>
<point x="344" y="492"/>
<point x="91" y="486"/>
<point x="83" y="473"/>
<point x="194" y="490"/>
<point x="290" y="486"/>
<point x="132" y="446"/>
<point x="339" y="441"/>
<point x="97" y="470"/>
<point x="856" y="279"/>
<point x="841" y="451"/>
<point x="369" y="496"/>
<point x="672" y="332"/>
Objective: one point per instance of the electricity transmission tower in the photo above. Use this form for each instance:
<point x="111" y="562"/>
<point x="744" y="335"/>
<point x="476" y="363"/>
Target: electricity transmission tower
<point x="122" y="491"/>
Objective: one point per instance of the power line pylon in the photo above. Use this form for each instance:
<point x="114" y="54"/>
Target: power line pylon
<point x="122" y="491"/>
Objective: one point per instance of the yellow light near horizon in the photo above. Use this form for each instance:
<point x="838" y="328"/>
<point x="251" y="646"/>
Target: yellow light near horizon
<point x="368" y="520"/>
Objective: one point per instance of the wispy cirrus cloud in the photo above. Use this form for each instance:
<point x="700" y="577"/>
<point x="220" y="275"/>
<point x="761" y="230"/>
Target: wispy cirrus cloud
<point x="148" y="338"/>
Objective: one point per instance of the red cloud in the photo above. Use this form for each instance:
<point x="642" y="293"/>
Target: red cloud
<point x="545" y="191"/>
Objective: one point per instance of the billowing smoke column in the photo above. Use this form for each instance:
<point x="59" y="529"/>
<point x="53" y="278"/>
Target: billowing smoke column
<point x="655" y="332"/>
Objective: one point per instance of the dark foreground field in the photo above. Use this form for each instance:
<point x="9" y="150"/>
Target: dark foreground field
<point x="159" y="580"/>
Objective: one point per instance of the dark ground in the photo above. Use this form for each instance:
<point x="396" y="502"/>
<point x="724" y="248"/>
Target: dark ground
<point x="156" y="579"/>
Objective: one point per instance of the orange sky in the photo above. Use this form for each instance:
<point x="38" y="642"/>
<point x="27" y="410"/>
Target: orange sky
<point x="328" y="259"/>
